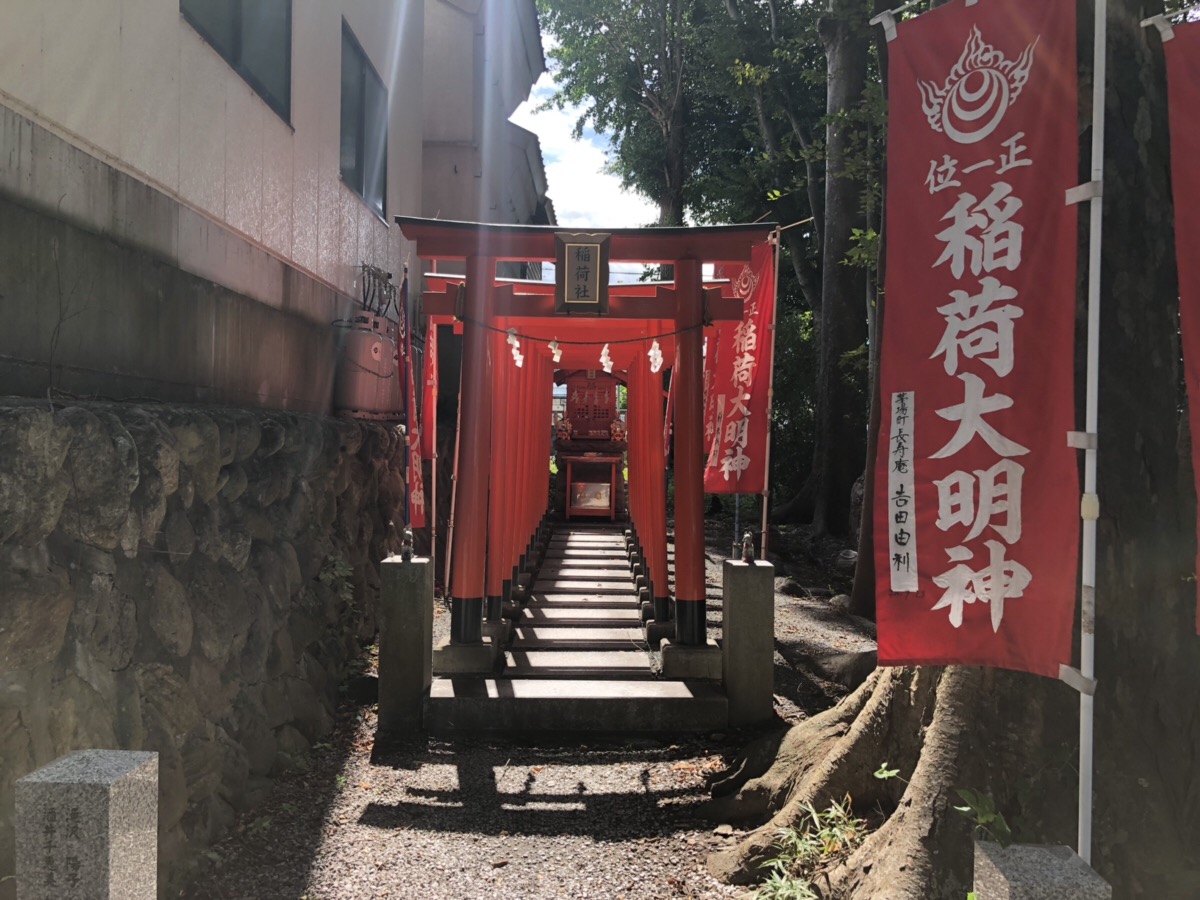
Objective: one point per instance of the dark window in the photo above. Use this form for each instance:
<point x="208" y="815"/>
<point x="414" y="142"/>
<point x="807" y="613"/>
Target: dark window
<point x="255" y="37"/>
<point x="364" y="124"/>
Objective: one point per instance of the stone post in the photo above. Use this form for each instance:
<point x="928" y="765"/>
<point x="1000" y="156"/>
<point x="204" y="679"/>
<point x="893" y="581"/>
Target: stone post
<point x="748" y="644"/>
<point x="1035" y="872"/>
<point x="87" y="827"/>
<point x="405" y="642"/>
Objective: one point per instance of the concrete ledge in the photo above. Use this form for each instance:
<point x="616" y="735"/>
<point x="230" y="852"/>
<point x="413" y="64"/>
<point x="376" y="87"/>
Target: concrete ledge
<point x="1035" y="872"/>
<point x="464" y="659"/>
<point x="657" y="632"/>
<point x="679" y="661"/>
<point x="558" y="706"/>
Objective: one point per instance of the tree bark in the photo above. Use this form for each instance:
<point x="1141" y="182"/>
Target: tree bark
<point x="841" y="323"/>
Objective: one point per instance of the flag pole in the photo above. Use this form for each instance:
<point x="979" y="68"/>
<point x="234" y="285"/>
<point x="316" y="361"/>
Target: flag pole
<point x="766" y="493"/>
<point x="1090" y="505"/>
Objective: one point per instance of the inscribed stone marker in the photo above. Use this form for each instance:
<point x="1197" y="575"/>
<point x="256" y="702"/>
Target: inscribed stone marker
<point x="87" y="827"/>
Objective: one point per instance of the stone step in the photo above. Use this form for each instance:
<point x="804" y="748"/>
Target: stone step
<point x="573" y="553"/>
<point x="577" y="664"/>
<point x="589" y="600"/>
<point x="587" y="540"/>
<point x="581" y="617"/>
<point x="545" y="637"/>
<point x="466" y="704"/>
<point x="582" y="586"/>
<point x="576" y="571"/>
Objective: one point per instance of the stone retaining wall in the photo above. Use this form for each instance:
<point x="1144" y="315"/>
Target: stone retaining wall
<point x="185" y="580"/>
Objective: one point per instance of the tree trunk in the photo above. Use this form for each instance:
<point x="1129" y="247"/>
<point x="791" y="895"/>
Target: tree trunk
<point x="862" y="594"/>
<point x="841" y="322"/>
<point x="1011" y="736"/>
<point x="670" y="206"/>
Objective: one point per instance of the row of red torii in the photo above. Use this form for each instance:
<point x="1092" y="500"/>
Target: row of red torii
<point x="502" y="487"/>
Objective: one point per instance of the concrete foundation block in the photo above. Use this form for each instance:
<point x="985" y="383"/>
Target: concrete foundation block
<point x="464" y="659"/>
<point x="748" y="642"/>
<point x="87" y="826"/>
<point x="1033" y="872"/>
<point x="499" y="632"/>
<point x="405" y="642"/>
<point x="680" y="661"/>
<point x="657" y="632"/>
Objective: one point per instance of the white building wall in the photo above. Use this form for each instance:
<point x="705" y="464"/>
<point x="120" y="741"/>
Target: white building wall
<point x="132" y="82"/>
<point x="475" y="167"/>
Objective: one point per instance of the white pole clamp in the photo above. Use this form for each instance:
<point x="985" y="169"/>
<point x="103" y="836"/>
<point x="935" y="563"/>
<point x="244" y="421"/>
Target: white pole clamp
<point x="1165" y="31"/>
<point x="888" y="21"/>
<point x="1077" y="680"/>
<point x="1081" y="440"/>
<point x="1084" y="192"/>
<point x="1089" y="507"/>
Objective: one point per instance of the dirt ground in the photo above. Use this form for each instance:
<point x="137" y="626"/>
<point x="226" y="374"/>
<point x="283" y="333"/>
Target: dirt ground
<point x="579" y="817"/>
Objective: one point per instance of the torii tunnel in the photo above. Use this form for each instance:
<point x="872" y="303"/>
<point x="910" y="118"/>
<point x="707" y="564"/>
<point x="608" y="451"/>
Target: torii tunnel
<point x="502" y="490"/>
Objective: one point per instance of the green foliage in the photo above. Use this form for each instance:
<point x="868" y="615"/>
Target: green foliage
<point x="821" y="840"/>
<point x="989" y="823"/>
<point x="781" y="886"/>
<point x="337" y="575"/>
<point x="865" y="250"/>
<point x="793" y="410"/>
<point x="883" y="773"/>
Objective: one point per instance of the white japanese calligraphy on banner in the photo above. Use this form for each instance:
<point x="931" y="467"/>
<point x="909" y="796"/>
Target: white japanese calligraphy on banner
<point x="902" y="530"/>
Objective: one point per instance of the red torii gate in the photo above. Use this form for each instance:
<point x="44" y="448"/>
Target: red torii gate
<point x="506" y="410"/>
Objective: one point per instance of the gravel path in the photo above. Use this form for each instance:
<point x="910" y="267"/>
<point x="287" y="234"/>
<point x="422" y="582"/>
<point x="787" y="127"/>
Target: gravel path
<point x="481" y="818"/>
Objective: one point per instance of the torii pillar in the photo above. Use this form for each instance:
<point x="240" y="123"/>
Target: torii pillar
<point x="691" y="654"/>
<point x="467" y="650"/>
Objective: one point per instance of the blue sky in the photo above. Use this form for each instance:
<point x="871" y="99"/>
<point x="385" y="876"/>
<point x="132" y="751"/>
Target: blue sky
<point x="584" y="195"/>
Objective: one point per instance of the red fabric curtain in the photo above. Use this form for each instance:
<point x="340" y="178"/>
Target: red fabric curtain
<point x="977" y="498"/>
<point x="1183" y="94"/>
<point x="416" y="480"/>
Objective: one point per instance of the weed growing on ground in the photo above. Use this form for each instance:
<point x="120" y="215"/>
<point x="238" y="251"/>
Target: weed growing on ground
<point x="821" y="840"/>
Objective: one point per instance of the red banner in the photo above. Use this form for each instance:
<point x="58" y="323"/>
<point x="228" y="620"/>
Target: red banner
<point x="977" y="352"/>
<point x="416" y="479"/>
<point x="1183" y="94"/>
<point x="741" y="380"/>
<point x="429" y="398"/>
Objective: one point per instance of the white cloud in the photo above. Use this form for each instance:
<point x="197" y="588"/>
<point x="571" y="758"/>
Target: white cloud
<point x="584" y="195"/>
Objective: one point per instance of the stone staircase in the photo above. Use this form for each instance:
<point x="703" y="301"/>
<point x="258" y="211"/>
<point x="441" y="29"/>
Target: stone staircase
<point x="578" y="660"/>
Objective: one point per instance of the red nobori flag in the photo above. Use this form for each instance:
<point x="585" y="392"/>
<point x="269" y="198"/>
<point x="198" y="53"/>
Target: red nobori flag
<point x="977" y="495"/>
<point x="1183" y="94"/>
<point x="430" y="397"/>
<point x="416" y="479"/>
<point x="742" y="377"/>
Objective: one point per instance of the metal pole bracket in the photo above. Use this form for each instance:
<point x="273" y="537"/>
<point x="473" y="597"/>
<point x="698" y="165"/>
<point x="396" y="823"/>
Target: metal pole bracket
<point x="1076" y="679"/>
<point x="1092" y="190"/>
<point x="1081" y="440"/>
<point x="1163" y="24"/>
<point x="888" y="21"/>
<point x="1089" y="507"/>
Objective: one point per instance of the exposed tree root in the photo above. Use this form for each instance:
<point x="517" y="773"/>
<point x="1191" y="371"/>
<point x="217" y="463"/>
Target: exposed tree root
<point x="913" y="719"/>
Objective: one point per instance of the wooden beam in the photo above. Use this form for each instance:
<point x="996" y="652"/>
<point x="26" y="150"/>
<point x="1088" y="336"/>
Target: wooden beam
<point x="639" y="306"/>
<point x="446" y="240"/>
